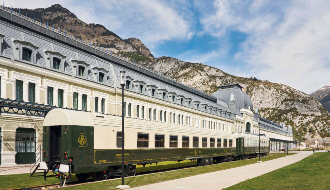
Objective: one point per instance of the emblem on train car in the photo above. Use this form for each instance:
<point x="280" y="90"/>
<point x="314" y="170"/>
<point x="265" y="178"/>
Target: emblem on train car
<point x="82" y="139"/>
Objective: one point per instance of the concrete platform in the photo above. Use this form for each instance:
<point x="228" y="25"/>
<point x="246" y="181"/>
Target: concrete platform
<point x="15" y="169"/>
<point x="226" y="178"/>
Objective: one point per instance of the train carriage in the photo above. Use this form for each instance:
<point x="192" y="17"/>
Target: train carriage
<point x="90" y="143"/>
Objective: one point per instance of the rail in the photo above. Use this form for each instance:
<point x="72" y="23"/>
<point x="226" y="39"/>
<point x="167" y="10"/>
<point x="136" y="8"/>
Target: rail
<point x="34" y="167"/>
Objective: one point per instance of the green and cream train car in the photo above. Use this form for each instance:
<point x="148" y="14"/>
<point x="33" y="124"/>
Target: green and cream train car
<point x="90" y="144"/>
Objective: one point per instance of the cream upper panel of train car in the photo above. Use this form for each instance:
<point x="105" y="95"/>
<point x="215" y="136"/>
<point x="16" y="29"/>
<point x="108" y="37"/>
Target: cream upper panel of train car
<point x="68" y="117"/>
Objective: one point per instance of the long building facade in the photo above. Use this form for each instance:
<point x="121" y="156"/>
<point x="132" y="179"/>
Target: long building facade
<point x="42" y="68"/>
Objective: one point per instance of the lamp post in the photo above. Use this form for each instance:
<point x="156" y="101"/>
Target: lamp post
<point x="122" y="83"/>
<point x="256" y="110"/>
<point x="287" y="142"/>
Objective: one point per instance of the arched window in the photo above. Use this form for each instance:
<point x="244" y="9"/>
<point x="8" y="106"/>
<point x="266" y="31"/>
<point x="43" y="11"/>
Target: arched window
<point x="155" y="114"/>
<point x="164" y="116"/>
<point x="129" y="109"/>
<point x="161" y="115"/>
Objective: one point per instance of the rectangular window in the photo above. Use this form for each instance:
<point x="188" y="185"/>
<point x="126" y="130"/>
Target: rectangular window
<point x="119" y="139"/>
<point x="56" y="63"/>
<point x="185" y="142"/>
<point x="27" y="54"/>
<point x="164" y="116"/>
<point x="124" y="109"/>
<point x="127" y="84"/>
<point x="129" y="109"/>
<point x="50" y="96"/>
<point x="212" y="142"/>
<point x="155" y="114"/>
<point x="230" y="142"/>
<point x="60" y="97"/>
<point x="32" y="92"/>
<point x="153" y="92"/>
<point x="25" y="141"/>
<point x="150" y="114"/>
<point x="159" y="141"/>
<point x="179" y="119"/>
<point x="219" y="142"/>
<point x="19" y="90"/>
<point x="142" y="112"/>
<point x="138" y="111"/>
<point x="102" y="105"/>
<point x="84" y="102"/>
<point x="101" y="77"/>
<point x="161" y="116"/>
<point x="224" y="142"/>
<point x="143" y="140"/>
<point x="196" y="142"/>
<point x="81" y="71"/>
<point x="75" y="100"/>
<point x="204" y="142"/>
<point x="96" y="104"/>
<point x="174" y="118"/>
<point x="174" y="141"/>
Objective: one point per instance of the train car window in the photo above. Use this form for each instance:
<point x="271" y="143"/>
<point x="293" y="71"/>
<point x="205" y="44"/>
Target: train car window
<point x="230" y="142"/>
<point x="119" y="139"/>
<point x="204" y="142"/>
<point x="143" y="140"/>
<point x="212" y="142"/>
<point x="224" y="142"/>
<point x="185" y="142"/>
<point x="159" y="141"/>
<point x="219" y="142"/>
<point x="195" y="142"/>
<point x="174" y="141"/>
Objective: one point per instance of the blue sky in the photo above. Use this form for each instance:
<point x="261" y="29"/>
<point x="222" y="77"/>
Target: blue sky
<point x="286" y="42"/>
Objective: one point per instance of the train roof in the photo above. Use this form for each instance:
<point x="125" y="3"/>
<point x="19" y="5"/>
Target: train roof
<point x="68" y="117"/>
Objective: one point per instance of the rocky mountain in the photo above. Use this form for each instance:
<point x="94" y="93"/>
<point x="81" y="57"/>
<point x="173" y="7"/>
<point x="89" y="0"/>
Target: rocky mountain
<point x="62" y="18"/>
<point x="323" y="95"/>
<point x="276" y="102"/>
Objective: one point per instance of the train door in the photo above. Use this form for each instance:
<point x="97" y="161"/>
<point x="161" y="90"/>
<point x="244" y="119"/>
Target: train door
<point x="240" y="146"/>
<point x="55" y="144"/>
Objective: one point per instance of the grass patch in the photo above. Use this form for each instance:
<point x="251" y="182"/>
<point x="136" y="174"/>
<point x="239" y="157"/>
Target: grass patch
<point x="166" y="176"/>
<point x="309" y="173"/>
<point x="23" y="180"/>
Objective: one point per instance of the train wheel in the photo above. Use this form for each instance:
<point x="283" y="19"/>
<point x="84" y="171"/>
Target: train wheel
<point x="97" y="176"/>
<point x="82" y="177"/>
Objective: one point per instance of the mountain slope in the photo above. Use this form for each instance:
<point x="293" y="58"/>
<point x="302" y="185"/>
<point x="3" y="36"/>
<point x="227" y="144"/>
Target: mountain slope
<point x="61" y="17"/>
<point x="276" y="102"/>
<point x="323" y="95"/>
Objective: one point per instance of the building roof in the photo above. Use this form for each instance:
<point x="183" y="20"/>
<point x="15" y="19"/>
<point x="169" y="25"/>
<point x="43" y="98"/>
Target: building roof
<point x="242" y="100"/>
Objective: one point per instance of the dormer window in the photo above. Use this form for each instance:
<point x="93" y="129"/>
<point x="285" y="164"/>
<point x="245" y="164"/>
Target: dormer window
<point x="81" y="71"/>
<point x="181" y="101"/>
<point x="101" y="77"/>
<point x="164" y="95"/>
<point x="81" y="68"/>
<point x="25" y="51"/>
<point x="128" y="84"/>
<point x="141" y="88"/>
<point x="1" y="41"/>
<point x="153" y="92"/>
<point x="173" y="98"/>
<point x="56" y="63"/>
<point x="27" y="54"/>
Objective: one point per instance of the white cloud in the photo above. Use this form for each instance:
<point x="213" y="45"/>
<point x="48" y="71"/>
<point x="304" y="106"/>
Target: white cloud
<point x="287" y="43"/>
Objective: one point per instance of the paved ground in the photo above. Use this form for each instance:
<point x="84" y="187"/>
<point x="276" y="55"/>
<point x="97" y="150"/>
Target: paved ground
<point x="227" y="178"/>
<point x="15" y="169"/>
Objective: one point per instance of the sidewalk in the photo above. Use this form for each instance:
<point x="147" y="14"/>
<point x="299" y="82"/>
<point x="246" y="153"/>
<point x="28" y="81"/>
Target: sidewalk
<point x="15" y="169"/>
<point x="226" y="178"/>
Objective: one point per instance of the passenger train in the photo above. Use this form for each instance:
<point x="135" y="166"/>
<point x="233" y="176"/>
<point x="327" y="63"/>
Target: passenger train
<point x="89" y="144"/>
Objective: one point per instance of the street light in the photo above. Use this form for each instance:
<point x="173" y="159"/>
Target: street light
<point x="122" y="83"/>
<point x="256" y="110"/>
